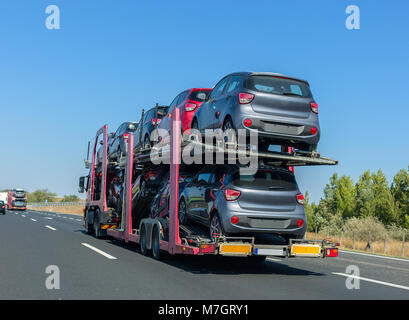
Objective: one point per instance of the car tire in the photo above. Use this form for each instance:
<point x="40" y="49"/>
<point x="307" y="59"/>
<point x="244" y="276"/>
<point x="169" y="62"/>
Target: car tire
<point x="147" y="142"/>
<point x="228" y="125"/>
<point x="216" y="226"/>
<point x="182" y="208"/>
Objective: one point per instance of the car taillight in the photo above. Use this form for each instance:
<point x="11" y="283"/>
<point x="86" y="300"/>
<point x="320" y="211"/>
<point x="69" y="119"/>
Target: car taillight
<point x="190" y="106"/>
<point x="300" y="199"/>
<point x="245" y="98"/>
<point x="300" y="222"/>
<point x="314" y="107"/>
<point x="155" y="121"/>
<point x="247" y="122"/>
<point x="332" y="252"/>
<point x="231" y="194"/>
<point x="313" y="130"/>
<point x="234" y="220"/>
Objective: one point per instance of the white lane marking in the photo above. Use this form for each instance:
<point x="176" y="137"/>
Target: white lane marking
<point x="51" y="228"/>
<point x="372" y="280"/>
<point x="78" y="220"/>
<point x="374" y="255"/>
<point x="99" y="251"/>
<point x="71" y="218"/>
<point x="48" y="218"/>
<point x="23" y="215"/>
<point x="65" y="217"/>
<point x="33" y="219"/>
<point x="272" y="259"/>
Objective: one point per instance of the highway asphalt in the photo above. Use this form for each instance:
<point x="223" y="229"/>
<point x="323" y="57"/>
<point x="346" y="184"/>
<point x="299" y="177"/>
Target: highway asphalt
<point x="108" y="269"/>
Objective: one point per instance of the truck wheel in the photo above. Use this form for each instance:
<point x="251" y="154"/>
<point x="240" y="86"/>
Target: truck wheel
<point x="142" y="241"/>
<point x="97" y="229"/>
<point x="87" y="226"/>
<point x="156" y="252"/>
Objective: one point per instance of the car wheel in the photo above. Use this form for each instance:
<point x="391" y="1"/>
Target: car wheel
<point x="228" y="126"/>
<point x="216" y="227"/>
<point x="147" y="142"/>
<point x="195" y="129"/>
<point x="182" y="212"/>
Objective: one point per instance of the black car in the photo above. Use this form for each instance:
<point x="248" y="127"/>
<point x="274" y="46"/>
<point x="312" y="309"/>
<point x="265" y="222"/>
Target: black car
<point x="116" y="145"/>
<point x="2" y="207"/>
<point x="233" y="201"/>
<point x="160" y="204"/>
<point x="279" y="108"/>
<point x="147" y="125"/>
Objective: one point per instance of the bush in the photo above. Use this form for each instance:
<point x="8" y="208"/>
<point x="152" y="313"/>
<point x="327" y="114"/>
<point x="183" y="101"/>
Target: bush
<point x="362" y="227"/>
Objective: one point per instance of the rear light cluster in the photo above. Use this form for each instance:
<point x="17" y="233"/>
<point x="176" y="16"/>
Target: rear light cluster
<point x="155" y="121"/>
<point x="245" y="98"/>
<point x="314" y="107"/>
<point x="332" y="252"/>
<point x="300" y="223"/>
<point x="300" y="199"/>
<point x="231" y="194"/>
<point x="190" y="106"/>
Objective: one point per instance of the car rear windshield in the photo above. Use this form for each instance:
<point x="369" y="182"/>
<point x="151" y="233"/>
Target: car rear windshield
<point x="274" y="85"/>
<point x="199" y="95"/>
<point x="266" y="179"/>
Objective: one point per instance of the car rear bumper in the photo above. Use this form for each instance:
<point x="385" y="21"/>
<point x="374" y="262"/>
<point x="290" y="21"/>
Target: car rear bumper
<point x="279" y="129"/>
<point x="263" y="221"/>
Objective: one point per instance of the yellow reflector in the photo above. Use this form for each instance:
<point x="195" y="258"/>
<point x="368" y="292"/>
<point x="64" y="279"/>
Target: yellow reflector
<point x="306" y="249"/>
<point x="235" y="248"/>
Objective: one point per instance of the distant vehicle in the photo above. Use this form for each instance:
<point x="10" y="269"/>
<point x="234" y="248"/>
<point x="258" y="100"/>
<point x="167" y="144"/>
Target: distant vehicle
<point x="2" y="207"/>
<point x="234" y="203"/>
<point x="116" y="145"/>
<point x="3" y="196"/>
<point x="281" y="108"/>
<point x="188" y="102"/>
<point x="17" y="199"/>
<point x="147" y="125"/>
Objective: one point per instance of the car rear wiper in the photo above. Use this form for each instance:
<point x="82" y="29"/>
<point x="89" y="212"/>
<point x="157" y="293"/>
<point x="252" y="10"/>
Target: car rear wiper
<point x="291" y="94"/>
<point x="275" y="188"/>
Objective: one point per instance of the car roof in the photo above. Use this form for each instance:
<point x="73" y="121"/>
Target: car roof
<point x="272" y="74"/>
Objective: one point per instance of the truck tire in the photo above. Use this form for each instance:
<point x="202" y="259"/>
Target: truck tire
<point x="142" y="241"/>
<point x="97" y="229"/>
<point x="87" y="226"/>
<point x="156" y="252"/>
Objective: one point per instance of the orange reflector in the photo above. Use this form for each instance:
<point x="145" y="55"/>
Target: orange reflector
<point x="235" y="249"/>
<point x="305" y="249"/>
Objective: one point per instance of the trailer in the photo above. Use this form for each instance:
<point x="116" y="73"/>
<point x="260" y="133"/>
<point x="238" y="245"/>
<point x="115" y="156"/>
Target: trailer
<point x="17" y="199"/>
<point x="157" y="236"/>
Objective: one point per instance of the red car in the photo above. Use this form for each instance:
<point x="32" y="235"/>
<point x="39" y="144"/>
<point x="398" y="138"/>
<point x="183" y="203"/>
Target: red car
<point x="188" y="102"/>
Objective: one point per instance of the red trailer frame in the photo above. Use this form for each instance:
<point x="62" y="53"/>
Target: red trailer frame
<point x="175" y="245"/>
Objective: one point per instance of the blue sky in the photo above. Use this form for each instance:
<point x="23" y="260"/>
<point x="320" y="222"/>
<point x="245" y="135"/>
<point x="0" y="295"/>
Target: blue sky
<point x="110" y="59"/>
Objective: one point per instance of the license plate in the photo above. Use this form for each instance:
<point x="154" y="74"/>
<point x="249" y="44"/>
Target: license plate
<point x="269" y="252"/>
<point x="233" y="249"/>
<point x="305" y="250"/>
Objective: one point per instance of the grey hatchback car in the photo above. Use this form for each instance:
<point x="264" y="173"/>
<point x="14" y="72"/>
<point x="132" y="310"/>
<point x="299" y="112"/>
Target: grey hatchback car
<point x="234" y="202"/>
<point x="281" y="108"/>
